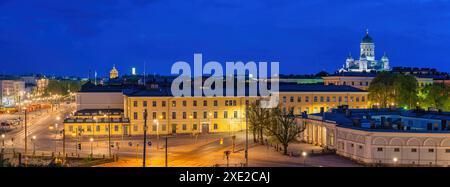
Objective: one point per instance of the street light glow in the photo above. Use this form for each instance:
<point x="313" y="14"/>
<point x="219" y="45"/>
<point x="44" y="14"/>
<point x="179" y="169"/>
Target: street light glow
<point x="304" y="153"/>
<point x="3" y="135"/>
<point x="91" y="140"/>
<point x="395" y="159"/>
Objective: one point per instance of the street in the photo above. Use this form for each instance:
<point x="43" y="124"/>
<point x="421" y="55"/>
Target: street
<point x="184" y="150"/>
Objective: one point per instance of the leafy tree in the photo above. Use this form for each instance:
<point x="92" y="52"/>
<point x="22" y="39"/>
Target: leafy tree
<point x="436" y="96"/>
<point x="283" y="128"/>
<point x="62" y="87"/>
<point x="381" y="89"/>
<point x="405" y="90"/>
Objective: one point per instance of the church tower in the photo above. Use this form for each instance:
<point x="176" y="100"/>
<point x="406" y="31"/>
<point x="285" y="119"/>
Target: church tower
<point x="113" y="74"/>
<point x="385" y="62"/>
<point x="368" y="47"/>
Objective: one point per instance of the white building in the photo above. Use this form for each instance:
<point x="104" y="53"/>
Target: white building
<point x="383" y="136"/>
<point x="11" y="92"/>
<point x="367" y="61"/>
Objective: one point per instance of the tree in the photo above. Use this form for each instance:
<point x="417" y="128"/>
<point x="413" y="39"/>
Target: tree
<point x="283" y="128"/>
<point x="62" y="87"/>
<point x="405" y="90"/>
<point x="258" y="119"/>
<point x="381" y="89"/>
<point x="436" y="96"/>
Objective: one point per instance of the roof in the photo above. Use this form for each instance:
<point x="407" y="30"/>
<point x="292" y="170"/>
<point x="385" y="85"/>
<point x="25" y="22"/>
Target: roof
<point x="367" y="39"/>
<point x="166" y="92"/>
<point x="354" y="74"/>
<point x="373" y="116"/>
<point x="89" y="87"/>
<point x="90" y="112"/>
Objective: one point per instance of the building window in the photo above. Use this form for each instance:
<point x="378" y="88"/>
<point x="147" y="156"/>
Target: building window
<point x="379" y="149"/>
<point x="345" y="99"/>
<point x="205" y="103"/>
<point x="163" y="103"/>
<point x="205" y="115"/>
<point x="447" y="151"/>
<point x="306" y="98"/>
<point x="360" y="147"/>
<point x="194" y="127"/>
<point x="291" y="99"/>
<point x="194" y="103"/>
<point x="184" y="103"/>
<point x="284" y="99"/>
<point x="135" y="103"/>
<point x="174" y="115"/>
<point x="174" y="103"/>
<point x="299" y="99"/>
<point x="328" y="99"/>
<point x="97" y="128"/>
<point x="71" y="128"/>
<point x="215" y="103"/>
<point x="154" y="103"/>
<point x="235" y="114"/>
<point x="153" y="115"/>
<point x="144" y="103"/>
<point x="352" y="145"/>
<point x="184" y="127"/>
<point x="431" y="150"/>
<point x="334" y="99"/>
<point x="340" y="99"/>
<point x="396" y="149"/>
<point x="135" y="115"/>
<point x="321" y="98"/>
<point x="184" y="115"/>
<point x="215" y="114"/>
<point x="154" y="127"/>
<point x="135" y="128"/>
<point x="116" y="128"/>
<point x="413" y="150"/>
<point x="315" y="98"/>
<point x="225" y="114"/>
<point x="163" y="114"/>
<point x="216" y="126"/>
<point x="194" y="115"/>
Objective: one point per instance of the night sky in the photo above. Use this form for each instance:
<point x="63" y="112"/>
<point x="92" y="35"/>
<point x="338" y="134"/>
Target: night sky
<point x="72" y="37"/>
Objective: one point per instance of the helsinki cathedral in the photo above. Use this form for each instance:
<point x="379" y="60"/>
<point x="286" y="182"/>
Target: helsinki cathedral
<point x="367" y="61"/>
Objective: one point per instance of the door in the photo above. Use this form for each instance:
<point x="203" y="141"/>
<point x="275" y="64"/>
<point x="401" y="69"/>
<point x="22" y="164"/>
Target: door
<point x="205" y="128"/>
<point x="174" y="128"/>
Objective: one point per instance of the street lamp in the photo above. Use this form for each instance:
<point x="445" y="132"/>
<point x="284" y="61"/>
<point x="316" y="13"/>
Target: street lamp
<point x="92" y="151"/>
<point x="33" y="139"/>
<point x="395" y="160"/>
<point x="304" y="154"/>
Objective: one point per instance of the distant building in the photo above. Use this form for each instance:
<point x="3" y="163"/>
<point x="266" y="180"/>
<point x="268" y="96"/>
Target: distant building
<point x="367" y="61"/>
<point x="114" y="73"/>
<point x="93" y="96"/>
<point x="382" y="136"/>
<point x="11" y="92"/>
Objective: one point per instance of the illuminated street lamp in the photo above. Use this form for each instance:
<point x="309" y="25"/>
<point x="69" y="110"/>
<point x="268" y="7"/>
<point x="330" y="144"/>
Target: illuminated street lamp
<point x="304" y="155"/>
<point x="92" y="151"/>
<point x="395" y="160"/>
<point x="33" y="139"/>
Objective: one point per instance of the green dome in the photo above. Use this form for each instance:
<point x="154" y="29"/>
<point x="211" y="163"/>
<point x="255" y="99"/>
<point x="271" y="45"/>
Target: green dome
<point x="367" y="38"/>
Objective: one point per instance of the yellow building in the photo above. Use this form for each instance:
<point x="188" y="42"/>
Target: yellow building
<point x="96" y="122"/>
<point x="113" y="73"/>
<point x="174" y="115"/>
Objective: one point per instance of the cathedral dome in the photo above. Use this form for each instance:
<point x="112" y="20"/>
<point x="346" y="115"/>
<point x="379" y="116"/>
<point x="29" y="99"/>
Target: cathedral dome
<point x="367" y="38"/>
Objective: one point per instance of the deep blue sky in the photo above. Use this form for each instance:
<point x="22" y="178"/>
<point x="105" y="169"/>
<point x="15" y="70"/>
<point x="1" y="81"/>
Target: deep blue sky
<point x="65" y="37"/>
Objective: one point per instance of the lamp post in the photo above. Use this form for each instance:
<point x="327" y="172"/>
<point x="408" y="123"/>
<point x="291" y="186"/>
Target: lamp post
<point x="155" y="121"/>
<point x="145" y="138"/>
<point x="92" y="151"/>
<point x="33" y="139"/>
<point x="26" y="130"/>
<point x="304" y="154"/>
<point x="395" y="160"/>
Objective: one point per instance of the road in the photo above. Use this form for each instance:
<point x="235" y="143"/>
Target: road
<point x="183" y="150"/>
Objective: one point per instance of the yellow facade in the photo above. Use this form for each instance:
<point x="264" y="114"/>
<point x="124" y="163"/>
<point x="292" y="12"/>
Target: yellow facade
<point x="192" y="115"/>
